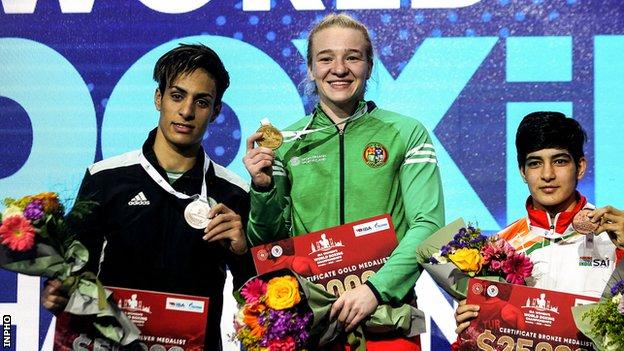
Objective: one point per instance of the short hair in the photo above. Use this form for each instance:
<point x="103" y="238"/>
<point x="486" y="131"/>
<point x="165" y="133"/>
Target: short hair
<point x="340" y="20"/>
<point x="546" y="130"/>
<point x="187" y="58"/>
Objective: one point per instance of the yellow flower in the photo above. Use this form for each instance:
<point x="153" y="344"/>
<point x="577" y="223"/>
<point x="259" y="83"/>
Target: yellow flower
<point x="468" y="260"/>
<point x="49" y="200"/>
<point x="282" y="293"/>
<point x="11" y="211"/>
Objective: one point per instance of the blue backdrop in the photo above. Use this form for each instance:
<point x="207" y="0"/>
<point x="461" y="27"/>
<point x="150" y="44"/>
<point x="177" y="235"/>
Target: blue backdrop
<point x="75" y="87"/>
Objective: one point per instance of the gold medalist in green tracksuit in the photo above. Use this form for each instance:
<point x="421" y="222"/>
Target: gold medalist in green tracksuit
<point x="382" y="162"/>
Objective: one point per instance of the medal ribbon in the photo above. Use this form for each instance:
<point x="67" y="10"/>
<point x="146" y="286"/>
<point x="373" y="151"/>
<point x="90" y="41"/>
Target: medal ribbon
<point x="290" y="136"/>
<point x="164" y="184"/>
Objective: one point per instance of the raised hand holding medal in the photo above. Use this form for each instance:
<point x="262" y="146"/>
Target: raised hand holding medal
<point x="259" y="160"/>
<point x="611" y="220"/>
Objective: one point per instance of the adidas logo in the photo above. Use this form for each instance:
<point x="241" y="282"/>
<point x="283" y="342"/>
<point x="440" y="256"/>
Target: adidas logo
<point x="139" y="200"/>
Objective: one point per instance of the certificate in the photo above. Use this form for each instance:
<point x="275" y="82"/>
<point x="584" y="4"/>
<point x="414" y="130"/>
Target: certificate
<point x="336" y="259"/>
<point x="516" y="317"/>
<point x="166" y="321"/>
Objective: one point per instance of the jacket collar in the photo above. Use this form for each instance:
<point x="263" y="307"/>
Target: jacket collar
<point x="561" y="223"/>
<point x="193" y="174"/>
<point x="320" y="119"/>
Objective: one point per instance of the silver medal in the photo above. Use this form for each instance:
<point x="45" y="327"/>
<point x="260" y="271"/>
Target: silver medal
<point x="196" y="214"/>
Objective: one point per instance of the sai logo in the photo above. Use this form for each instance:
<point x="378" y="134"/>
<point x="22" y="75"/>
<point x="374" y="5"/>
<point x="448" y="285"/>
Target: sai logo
<point x="589" y="261"/>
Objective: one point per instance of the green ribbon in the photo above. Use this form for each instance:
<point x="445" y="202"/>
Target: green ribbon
<point x="356" y="339"/>
<point x="71" y="283"/>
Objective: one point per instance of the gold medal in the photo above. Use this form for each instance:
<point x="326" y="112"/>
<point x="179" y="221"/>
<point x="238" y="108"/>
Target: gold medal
<point x="271" y="137"/>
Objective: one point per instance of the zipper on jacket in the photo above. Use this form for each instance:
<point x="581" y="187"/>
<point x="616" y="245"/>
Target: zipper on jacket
<point x="341" y="185"/>
<point x="551" y="223"/>
<point x="342" y="175"/>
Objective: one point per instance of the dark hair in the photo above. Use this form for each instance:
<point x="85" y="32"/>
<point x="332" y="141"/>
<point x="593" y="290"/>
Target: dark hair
<point x="546" y="130"/>
<point x="186" y="59"/>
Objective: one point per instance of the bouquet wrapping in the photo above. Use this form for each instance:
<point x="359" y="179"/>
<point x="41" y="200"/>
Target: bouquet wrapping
<point x="35" y="240"/>
<point x="603" y="322"/>
<point x="283" y="311"/>
<point x="458" y="252"/>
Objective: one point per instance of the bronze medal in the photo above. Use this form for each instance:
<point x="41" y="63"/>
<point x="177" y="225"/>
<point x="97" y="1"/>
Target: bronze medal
<point x="271" y="137"/>
<point x="583" y="224"/>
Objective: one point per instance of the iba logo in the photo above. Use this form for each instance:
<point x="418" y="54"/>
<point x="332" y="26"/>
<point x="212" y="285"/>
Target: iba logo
<point x="184" y="305"/>
<point x="371" y="227"/>
<point x="375" y="155"/>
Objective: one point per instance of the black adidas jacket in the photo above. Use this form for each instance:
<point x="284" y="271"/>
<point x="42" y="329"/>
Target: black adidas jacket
<point x="137" y="236"/>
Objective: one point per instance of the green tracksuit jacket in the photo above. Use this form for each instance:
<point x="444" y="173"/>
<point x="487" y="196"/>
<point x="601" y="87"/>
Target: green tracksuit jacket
<point x="382" y="162"/>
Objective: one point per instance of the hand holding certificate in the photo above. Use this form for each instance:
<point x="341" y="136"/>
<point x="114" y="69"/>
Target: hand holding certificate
<point x="282" y="308"/>
<point x="328" y="263"/>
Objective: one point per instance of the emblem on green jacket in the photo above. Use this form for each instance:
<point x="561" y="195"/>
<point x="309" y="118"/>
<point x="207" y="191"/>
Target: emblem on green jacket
<point x="375" y="155"/>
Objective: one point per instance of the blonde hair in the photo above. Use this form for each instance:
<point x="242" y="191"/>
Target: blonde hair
<point x="341" y="20"/>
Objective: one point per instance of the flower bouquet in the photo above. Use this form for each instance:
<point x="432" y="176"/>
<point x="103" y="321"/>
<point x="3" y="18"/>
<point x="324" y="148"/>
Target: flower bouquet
<point x="603" y="322"/>
<point x="458" y="252"/>
<point x="35" y="240"/>
<point x="273" y="316"/>
<point x="281" y="311"/>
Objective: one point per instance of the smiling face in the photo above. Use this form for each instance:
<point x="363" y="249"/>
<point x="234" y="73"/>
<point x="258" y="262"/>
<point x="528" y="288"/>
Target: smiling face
<point x="186" y="107"/>
<point x="340" y="68"/>
<point x="552" y="175"/>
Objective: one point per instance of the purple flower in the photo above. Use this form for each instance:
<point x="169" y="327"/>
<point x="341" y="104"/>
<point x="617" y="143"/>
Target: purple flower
<point x="34" y="210"/>
<point x="618" y="288"/>
<point x="621" y="306"/>
<point x="283" y="323"/>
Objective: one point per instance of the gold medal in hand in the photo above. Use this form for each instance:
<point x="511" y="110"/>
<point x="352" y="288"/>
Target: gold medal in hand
<point x="271" y="137"/>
